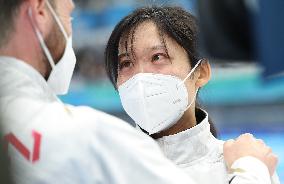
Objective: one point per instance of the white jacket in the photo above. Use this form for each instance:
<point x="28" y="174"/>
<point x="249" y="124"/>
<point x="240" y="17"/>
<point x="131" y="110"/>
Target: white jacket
<point x="50" y="142"/>
<point x="199" y="153"/>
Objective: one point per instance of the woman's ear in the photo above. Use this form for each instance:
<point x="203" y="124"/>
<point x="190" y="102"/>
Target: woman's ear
<point x="204" y="74"/>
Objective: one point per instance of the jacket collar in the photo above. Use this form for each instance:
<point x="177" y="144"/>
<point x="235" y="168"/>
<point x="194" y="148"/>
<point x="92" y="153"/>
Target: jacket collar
<point x="190" y="145"/>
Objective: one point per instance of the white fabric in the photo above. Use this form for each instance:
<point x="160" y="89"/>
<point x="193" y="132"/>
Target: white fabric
<point x="252" y="163"/>
<point x="200" y="154"/>
<point x="61" y="74"/>
<point x="78" y="144"/>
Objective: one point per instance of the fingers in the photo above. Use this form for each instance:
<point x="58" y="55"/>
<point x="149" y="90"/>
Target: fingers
<point x="260" y="141"/>
<point x="273" y="158"/>
<point x="229" y="143"/>
<point x="272" y="161"/>
<point x="227" y="151"/>
<point x="244" y="137"/>
<point x="269" y="150"/>
<point x="248" y="145"/>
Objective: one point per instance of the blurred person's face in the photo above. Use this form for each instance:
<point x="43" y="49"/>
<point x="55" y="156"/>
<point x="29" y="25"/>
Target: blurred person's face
<point x="56" y="43"/>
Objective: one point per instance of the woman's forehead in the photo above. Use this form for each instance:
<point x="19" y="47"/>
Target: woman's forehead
<point x="145" y="34"/>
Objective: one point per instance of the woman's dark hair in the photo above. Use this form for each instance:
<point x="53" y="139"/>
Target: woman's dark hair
<point x="174" y="22"/>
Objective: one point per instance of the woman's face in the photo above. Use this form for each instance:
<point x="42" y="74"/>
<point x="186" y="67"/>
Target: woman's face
<point x="149" y="55"/>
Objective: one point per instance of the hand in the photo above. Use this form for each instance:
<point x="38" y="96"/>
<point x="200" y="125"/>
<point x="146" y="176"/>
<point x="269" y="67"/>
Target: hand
<point x="247" y="145"/>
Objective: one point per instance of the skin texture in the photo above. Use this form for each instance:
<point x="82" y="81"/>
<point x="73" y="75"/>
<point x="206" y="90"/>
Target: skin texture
<point x="24" y="33"/>
<point x="152" y="53"/>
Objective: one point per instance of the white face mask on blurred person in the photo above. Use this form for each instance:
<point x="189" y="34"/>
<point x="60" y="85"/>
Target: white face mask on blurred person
<point x="61" y="73"/>
<point x="155" y="101"/>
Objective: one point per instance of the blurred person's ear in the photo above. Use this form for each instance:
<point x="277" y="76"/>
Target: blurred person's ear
<point x="41" y="15"/>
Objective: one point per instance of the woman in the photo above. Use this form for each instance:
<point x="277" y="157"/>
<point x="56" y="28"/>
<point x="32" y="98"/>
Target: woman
<point x="152" y="59"/>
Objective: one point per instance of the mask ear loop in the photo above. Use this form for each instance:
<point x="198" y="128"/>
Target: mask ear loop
<point x="194" y="97"/>
<point x="41" y="40"/>
<point x="190" y="73"/>
<point x="59" y="23"/>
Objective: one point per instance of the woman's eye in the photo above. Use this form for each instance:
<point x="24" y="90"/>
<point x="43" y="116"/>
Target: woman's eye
<point x="125" y="64"/>
<point x="158" y="57"/>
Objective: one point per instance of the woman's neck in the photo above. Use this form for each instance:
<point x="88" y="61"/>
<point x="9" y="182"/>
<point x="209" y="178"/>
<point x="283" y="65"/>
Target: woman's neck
<point x="188" y="120"/>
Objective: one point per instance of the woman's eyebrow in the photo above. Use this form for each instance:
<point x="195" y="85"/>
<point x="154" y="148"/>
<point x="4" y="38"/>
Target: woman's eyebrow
<point x="157" y="47"/>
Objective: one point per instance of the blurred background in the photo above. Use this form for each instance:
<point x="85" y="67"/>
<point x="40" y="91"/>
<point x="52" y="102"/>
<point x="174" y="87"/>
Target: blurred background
<point x="243" y="95"/>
